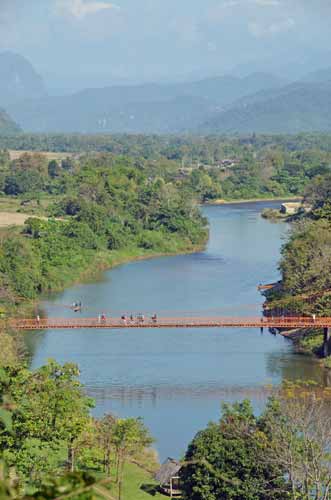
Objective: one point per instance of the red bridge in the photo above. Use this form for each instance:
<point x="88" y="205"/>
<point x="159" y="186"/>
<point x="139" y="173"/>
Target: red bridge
<point x="168" y="322"/>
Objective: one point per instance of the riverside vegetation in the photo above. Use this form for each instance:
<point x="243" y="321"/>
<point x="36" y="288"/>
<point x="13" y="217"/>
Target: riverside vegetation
<point x="306" y="264"/>
<point x="104" y="208"/>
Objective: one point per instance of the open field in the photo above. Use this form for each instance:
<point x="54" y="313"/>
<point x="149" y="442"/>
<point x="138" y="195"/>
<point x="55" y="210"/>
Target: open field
<point x="15" y="154"/>
<point x="12" y="219"/>
<point x="17" y="206"/>
<point x="9" y="204"/>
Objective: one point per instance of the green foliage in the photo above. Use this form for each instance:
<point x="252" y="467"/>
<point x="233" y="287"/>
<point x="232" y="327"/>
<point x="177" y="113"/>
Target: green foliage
<point x="226" y="460"/>
<point x="22" y="183"/>
<point x="49" y="412"/>
<point x="129" y="437"/>
<point x="211" y="167"/>
<point x="70" y="484"/>
<point x="45" y="429"/>
<point x="107" y="205"/>
<point x="306" y="262"/>
<point x="16" y="256"/>
<point x="54" y="169"/>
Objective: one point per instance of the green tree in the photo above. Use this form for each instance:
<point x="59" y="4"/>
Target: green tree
<point x="105" y="431"/>
<point x="129" y="437"/>
<point x="50" y="413"/>
<point x="54" y="169"/>
<point x="226" y="460"/>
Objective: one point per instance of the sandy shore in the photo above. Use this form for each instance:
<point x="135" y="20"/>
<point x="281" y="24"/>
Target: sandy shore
<point x="251" y="200"/>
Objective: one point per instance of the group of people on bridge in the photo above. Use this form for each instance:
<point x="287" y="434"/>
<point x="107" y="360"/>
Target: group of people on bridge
<point x="129" y="319"/>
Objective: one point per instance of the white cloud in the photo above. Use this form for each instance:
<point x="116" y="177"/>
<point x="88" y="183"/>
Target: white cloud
<point x="81" y="8"/>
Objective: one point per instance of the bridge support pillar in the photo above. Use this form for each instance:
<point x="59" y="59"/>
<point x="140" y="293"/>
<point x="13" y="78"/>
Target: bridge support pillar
<point x="326" y="342"/>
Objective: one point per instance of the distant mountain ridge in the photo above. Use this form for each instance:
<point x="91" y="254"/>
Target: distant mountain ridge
<point x="259" y="102"/>
<point x="149" y="108"/>
<point x="7" y="125"/>
<point x="321" y="75"/>
<point x="299" y="107"/>
<point x="18" y="80"/>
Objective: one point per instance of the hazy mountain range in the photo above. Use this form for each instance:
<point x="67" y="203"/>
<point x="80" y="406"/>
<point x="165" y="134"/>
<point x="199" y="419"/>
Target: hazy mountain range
<point x="7" y="125"/>
<point x="299" y="107"/>
<point x="259" y="102"/>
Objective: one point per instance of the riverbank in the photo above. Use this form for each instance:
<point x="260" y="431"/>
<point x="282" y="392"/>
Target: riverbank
<point x="11" y="343"/>
<point x="308" y="341"/>
<point x="105" y="261"/>
<point x="251" y="200"/>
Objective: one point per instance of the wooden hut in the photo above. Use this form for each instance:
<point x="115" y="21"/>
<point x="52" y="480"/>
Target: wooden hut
<point x="168" y="477"/>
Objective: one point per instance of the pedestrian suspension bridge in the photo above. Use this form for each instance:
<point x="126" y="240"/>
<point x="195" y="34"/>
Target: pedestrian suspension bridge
<point x="279" y="322"/>
<point x="273" y="323"/>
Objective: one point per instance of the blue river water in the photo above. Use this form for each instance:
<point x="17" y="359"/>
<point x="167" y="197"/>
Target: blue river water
<point x="177" y="379"/>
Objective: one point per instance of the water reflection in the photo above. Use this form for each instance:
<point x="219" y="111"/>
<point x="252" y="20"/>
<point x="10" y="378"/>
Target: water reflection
<point x="297" y="366"/>
<point x="176" y="379"/>
<point x="153" y="394"/>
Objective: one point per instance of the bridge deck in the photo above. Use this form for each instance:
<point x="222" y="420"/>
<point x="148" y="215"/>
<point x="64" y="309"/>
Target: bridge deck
<point x="193" y="322"/>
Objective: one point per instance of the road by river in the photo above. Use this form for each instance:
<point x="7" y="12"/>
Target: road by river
<point x="176" y="379"/>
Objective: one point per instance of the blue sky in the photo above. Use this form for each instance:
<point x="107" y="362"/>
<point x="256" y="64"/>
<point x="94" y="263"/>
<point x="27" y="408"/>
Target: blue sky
<point x="78" y="43"/>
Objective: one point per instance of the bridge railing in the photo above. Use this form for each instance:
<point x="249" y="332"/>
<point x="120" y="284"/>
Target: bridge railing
<point x="184" y="322"/>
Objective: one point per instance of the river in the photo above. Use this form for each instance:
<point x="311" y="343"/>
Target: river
<point x="176" y="379"/>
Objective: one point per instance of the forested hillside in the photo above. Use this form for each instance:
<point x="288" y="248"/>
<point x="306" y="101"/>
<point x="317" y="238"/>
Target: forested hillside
<point x="301" y="107"/>
<point x="7" y="125"/>
<point x="18" y="80"/>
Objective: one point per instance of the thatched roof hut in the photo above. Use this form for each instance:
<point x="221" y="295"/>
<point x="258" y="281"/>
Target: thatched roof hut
<point x="168" y="477"/>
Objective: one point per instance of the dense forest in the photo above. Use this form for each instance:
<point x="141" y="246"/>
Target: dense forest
<point x="211" y="168"/>
<point x="97" y="207"/>
<point x="203" y="148"/>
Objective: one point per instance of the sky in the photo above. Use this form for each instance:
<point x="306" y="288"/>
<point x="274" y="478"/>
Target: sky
<point x="81" y="43"/>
